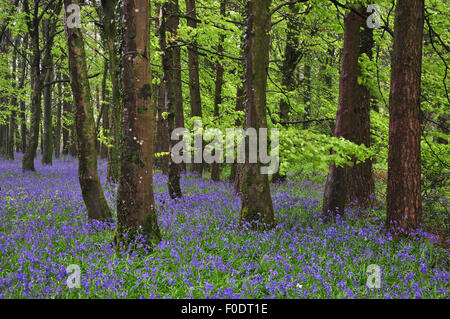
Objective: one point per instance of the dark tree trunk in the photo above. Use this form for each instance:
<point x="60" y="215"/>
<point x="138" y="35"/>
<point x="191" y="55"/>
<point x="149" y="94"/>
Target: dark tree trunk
<point x="57" y="131"/>
<point x="48" y="31"/>
<point x="235" y="167"/>
<point x="334" y="197"/>
<point x="215" y="168"/>
<point x="162" y="131"/>
<point x="91" y="188"/>
<point x="36" y="89"/>
<point x="194" y="79"/>
<point x="361" y="185"/>
<point x="135" y="202"/>
<point x="23" y="117"/>
<point x="14" y="104"/>
<point x="255" y="190"/>
<point x="110" y="34"/>
<point x="104" y="113"/>
<point x="67" y="115"/>
<point x="404" y="200"/>
<point x="178" y="90"/>
<point x="169" y="23"/>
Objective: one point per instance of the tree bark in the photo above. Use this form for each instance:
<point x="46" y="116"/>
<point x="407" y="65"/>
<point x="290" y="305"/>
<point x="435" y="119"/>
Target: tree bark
<point x="334" y="197"/>
<point x="255" y="191"/>
<point x="361" y="185"/>
<point x="215" y="168"/>
<point x="135" y="201"/>
<point x="194" y="78"/>
<point x="57" y="131"/>
<point x="404" y="200"/>
<point x="169" y="23"/>
<point x="36" y="89"/>
<point x="109" y="25"/>
<point x="91" y="188"/>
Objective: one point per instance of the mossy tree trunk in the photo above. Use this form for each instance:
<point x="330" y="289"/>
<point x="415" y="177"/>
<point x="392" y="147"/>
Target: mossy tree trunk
<point x="135" y="201"/>
<point x="255" y="190"/>
<point x="91" y="188"/>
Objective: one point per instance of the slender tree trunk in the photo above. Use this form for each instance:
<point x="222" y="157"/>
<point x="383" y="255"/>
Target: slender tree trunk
<point x="109" y="24"/>
<point x="48" y="29"/>
<point x="178" y="90"/>
<point x="36" y="92"/>
<point x="67" y="115"/>
<point x="194" y="78"/>
<point x="335" y="194"/>
<point x="14" y="105"/>
<point x="104" y="150"/>
<point x="91" y="188"/>
<point x="404" y="200"/>
<point x="255" y="191"/>
<point x="23" y="119"/>
<point x="135" y="202"/>
<point x="235" y="167"/>
<point x="57" y="131"/>
<point x="169" y="23"/>
<point x="162" y="131"/>
<point x="215" y="168"/>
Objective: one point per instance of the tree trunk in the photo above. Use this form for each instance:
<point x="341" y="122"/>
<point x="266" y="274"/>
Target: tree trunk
<point x="104" y="150"/>
<point x="91" y="188"/>
<point x="57" y="131"/>
<point x="194" y="79"/>
<point x="404" y="200"/>
<point x="255" y="190"/>
<point x="109" y="19"/>
<point x="169" y="23"/>
<point x="23" y="120"/>
<point x="334" y="197"/>
<point x="215" y="169"/>
<point x="361" y="185"/>
<point x="235" y="167"/>
<point x="67" y="115"/>
<point x="36" y="92"/>
<point x="48" y="30"/>
<point x="135" y="202"/>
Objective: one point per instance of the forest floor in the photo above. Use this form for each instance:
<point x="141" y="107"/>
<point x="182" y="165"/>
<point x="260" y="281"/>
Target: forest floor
<point x="203" y="254"/>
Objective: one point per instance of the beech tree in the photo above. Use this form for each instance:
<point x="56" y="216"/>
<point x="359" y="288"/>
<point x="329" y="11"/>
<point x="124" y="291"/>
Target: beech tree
<point x="254" y="186"/>
<point x="135" y="201"/>
<point x="91" y="188"/>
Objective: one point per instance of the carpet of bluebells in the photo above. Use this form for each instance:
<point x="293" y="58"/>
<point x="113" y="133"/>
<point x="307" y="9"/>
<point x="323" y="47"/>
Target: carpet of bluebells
<point x="203" y="254"/>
